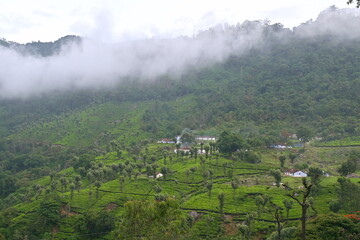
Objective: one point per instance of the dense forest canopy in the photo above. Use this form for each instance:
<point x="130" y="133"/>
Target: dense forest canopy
<point x="261" y="75"/>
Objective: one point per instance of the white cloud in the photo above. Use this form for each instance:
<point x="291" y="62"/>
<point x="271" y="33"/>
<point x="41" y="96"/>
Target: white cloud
<point x="95" y="64"/>
<point x="47" y="20"/>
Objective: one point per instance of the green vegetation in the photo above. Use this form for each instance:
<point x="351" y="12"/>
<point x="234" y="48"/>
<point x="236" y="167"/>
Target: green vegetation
<point x="88" y="164"/>
<point x="201" y="195"/>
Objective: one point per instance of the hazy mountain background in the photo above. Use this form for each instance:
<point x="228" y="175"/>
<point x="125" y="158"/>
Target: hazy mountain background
<point x="254" y="77"/>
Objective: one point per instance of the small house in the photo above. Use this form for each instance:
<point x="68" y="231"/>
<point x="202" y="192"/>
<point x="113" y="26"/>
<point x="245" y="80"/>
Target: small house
<point x="205" y="138"/>
<point x="290" y="172"/>
<point x="280" y="146"/>
<point x="300" y="174"/>
<point x="178" y="139"/>
<point x="166" y="140"/>
<point x="159" y="175"/>
<point x="183" y="149"/>
<point x="295" y="173"/>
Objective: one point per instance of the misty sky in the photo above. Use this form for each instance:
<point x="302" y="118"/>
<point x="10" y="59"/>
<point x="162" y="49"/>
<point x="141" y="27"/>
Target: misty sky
<point x="107" y="54"/>
<point x="117" y="20"/>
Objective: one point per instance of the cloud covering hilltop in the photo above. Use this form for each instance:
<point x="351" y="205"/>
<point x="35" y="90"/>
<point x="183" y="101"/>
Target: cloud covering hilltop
<point x="91" y="64"/>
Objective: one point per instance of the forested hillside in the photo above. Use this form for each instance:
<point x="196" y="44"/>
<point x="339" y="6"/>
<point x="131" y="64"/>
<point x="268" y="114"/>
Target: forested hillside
<point x="94" y="146"/>
<point x="288" y="79"/>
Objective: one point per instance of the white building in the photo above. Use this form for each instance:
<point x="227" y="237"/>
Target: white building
<point x="166" y="140"/>
<point x="295" y="173"/>
<point x="300" y="174"/>
<point x="159" y="175"/>
<point x="205" y="138"/>
<point x="183" y="149"/>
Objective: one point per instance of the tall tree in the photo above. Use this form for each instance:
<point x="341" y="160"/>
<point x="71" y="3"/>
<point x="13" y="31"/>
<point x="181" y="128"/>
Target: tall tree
<point x="209" y="186"/>
<point x="288" y="206"/>
<point x="97" y="184"/>
<point x="122" y="183"/>
<point x="304" y="134"/>
<point x="348" y="194"/>
<point x="304" y="202"/>
<point x="221" y="198"/>
<point x="282" y="159"/>
<point x="164" y="171"/>
<point x="292" y="157"/>
<point x="64" y="183"/>
<point x="277" y="175"/>
<point x="261" y="201"/>
<point x="72" y="189"/>
<point x="276" y="211"/>
<point x="230" y="142"/>
<point x="235" y="184"/>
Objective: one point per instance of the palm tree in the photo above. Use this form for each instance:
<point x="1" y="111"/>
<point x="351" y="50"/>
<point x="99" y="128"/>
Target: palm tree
<point x="154" y="166"/>
<point x="97" y="184"/>
<point x="209" y="186"/>
<point x="164" y="171"/>
<point x="129" y="171"/>
<point x="37" y="189"/>
<point x="187" y="173"/>
<point x="211" y="173"/>
<point x="207" y="148"/>
<point x="122" y="183"/>
<point x="221" y="198"/>
<point x="261" y="201"/>
<point x="178" y="145"/>
<point x="235" y="184"/>
<point x="212" y="145"/>
<point x="148" y="171"/>
<point x="64" y="183"/>
<point x="165" y="156"/>
<point x="90" y="194"/>
<point x="72" y="188"/>
<point x="206" y="175"/>
<point x="193" y="170"/>
<point x="78" y="185"/>
<point x="171" y="159"/>
<point x="282" y="159"/>
<point x="182" y="156"/>
<point x="288" y="206"/>
<point x="191" y="152"/>
<point x="224" y="168"/>
<point x="202" y="162"/>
